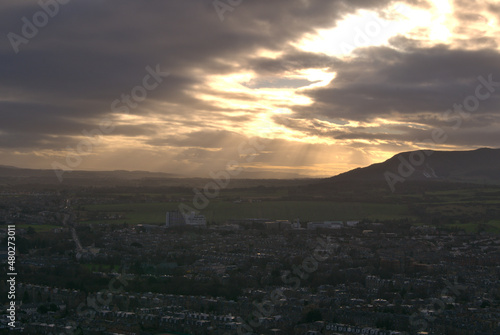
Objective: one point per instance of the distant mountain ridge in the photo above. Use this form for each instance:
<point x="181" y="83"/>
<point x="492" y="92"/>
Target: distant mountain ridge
<point x="475" y="166"/>
<point x="12" y="171"/>
<point x="481" y="166"/>
<point x="11" y="176"/>
<point x="17" y="172"/>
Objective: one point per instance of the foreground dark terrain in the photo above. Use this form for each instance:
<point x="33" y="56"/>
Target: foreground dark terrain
<point x="336" y="256"/>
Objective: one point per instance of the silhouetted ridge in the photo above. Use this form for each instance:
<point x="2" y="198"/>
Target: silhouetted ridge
<point x="476" y="166"/>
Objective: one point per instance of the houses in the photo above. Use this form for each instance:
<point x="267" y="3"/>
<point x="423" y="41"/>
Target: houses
<point x="325" y="225"/>
<point x="209" y="281"/>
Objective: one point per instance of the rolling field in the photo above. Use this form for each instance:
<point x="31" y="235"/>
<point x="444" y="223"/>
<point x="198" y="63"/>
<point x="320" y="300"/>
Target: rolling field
<point x="39" y="228"/>
<point x="490" y="227"/>
<point x="220" y="211"/>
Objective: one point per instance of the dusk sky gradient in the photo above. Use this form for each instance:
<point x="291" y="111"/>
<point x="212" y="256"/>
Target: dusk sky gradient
<point x="328" y="86"/>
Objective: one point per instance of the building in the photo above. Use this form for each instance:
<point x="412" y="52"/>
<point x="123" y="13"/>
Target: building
<point x="352" y="223"/>
<point x="296" y="224"/>
<point x="278" y="225"/>
<point x="176" y="219"/>
<point x="325" y="225"/>
<point x="196" y="220"/>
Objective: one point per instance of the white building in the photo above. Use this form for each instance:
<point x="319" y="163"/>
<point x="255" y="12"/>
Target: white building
<point x="325" y="225"/>
<point x="296" y="224"/>
<point x="176" y="218"/>
<point x="196" y="220"/>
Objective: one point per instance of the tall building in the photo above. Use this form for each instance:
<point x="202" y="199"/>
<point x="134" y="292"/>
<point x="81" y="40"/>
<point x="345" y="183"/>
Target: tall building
<point x="174" y="219"/>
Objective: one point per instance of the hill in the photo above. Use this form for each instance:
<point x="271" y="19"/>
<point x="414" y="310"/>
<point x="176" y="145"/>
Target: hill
<point x="481" y="166"/>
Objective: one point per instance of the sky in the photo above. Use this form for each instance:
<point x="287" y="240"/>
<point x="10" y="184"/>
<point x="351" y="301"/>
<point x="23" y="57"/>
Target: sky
<point x="282" y="88"/>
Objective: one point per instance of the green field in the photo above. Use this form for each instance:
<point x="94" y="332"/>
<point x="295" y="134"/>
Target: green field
<point x="490" y="227"/>
<point x="39" y="228"/>
<point x="482" y="195"/>
<point x="220" y="211"/>
<point x="100" y="267"/>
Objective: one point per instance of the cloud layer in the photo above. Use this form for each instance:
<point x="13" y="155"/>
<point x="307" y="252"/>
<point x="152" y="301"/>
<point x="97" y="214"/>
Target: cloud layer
<point x="244" y="78"/>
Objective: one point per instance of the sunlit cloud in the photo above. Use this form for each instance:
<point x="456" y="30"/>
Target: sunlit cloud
<point x="331" y="85"/>
<point x="362" y="29"/>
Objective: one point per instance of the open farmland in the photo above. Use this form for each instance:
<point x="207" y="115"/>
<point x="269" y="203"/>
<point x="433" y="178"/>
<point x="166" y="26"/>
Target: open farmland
<point x="221" y="211"/>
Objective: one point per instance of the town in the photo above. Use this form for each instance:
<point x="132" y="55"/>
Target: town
<point x="245" y="275"/>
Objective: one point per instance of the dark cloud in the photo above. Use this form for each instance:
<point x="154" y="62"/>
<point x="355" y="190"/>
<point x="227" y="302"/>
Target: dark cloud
<point x="494" y="9"/>
<point x="383" y="82"/>
<point x="65" y="79"/>
<point x="293" y="60"/>
<point x="92" y="52"/>
<point x="26" y="142"/>
<point x="278" y="83"/>
<point x="415" y="87"/>
<point x="471" y="17"/>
